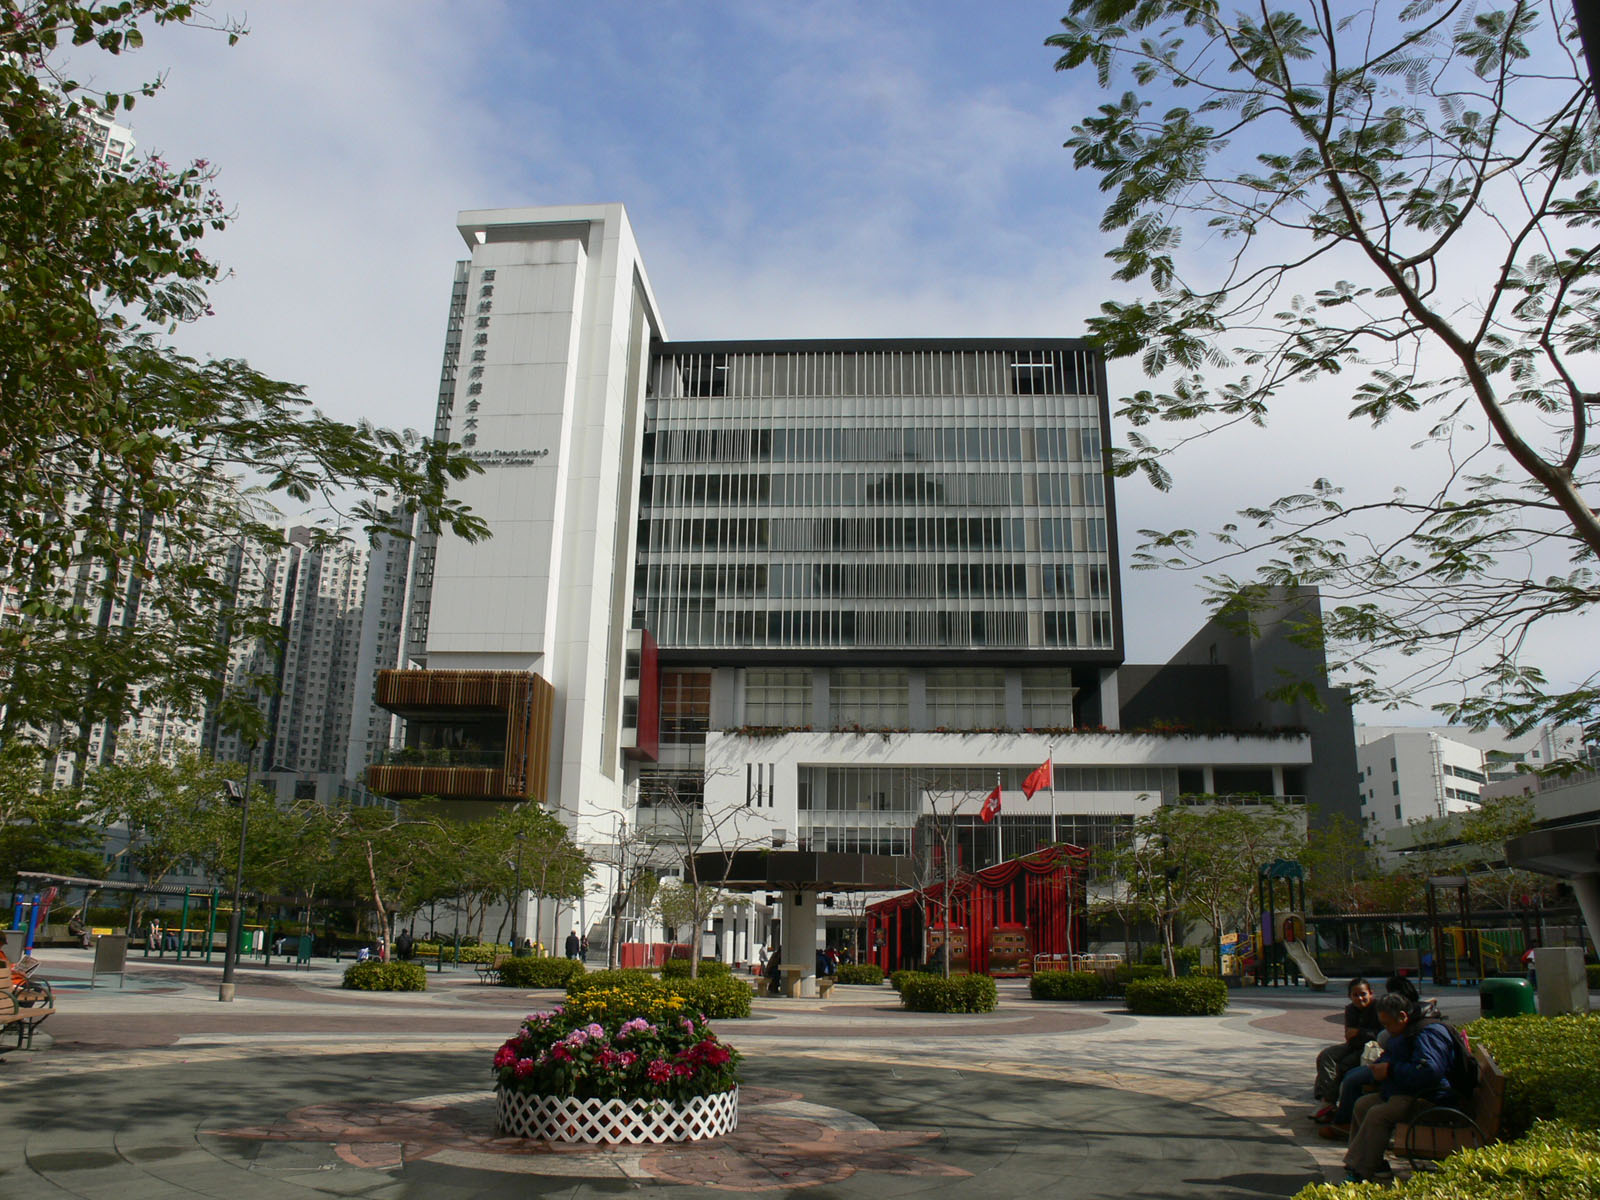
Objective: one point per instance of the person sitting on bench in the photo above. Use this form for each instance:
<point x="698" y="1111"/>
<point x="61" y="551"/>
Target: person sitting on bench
<point x="1413" y="1074"/>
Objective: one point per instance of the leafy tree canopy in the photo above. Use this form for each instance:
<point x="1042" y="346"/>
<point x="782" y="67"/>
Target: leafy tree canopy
<point x="136" y="477"/>
<point x="1399" y="201"/>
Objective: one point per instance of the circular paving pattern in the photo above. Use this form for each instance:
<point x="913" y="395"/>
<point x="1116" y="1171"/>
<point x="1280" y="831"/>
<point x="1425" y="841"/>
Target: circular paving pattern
<point x="401" y="1124"/>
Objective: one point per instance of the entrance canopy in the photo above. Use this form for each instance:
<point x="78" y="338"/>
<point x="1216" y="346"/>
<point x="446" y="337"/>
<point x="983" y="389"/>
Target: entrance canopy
<point x="803" y="871"/>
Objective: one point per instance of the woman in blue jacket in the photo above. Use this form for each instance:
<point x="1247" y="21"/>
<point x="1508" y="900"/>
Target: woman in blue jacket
<point x="1413" y="1074"/>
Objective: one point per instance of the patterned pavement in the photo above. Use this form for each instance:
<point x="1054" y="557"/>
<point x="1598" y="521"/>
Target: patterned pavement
<point x="298" y="1089"/>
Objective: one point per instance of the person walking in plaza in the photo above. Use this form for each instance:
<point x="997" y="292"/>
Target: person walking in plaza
<point x="574" y="945"/>
<point x="1413" y="1073"/>
<point x="773" y="971"/>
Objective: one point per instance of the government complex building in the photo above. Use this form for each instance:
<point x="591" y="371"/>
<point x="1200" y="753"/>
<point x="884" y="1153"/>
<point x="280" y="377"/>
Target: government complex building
<point x="813" y="593"/>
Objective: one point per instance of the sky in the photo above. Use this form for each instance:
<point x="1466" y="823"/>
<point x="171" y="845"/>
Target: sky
<point x="794" y="170"/>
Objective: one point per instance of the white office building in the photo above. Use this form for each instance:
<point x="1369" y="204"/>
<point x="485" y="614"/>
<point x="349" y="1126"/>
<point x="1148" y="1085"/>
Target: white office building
<point x="1408" y="774"/>
<point x="817" y="588"/>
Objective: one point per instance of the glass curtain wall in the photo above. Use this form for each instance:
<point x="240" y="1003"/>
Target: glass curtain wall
<point x="874" y="499"/>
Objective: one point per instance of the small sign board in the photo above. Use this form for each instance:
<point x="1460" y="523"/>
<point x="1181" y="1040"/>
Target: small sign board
<point x="110" y="957"/>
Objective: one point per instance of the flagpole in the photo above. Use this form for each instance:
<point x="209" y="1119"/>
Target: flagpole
<point x="999" y="838"/>
<point x="1050" y="757"/>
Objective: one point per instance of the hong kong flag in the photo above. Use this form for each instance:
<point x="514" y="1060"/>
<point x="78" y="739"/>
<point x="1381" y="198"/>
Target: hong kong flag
<point x="1039" y="777"/>
<point x="991" y="805"/>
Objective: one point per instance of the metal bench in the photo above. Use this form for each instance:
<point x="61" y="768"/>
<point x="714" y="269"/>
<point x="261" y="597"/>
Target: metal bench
<point x="26" y="1007"/>
<point x="1437" y="1132"/>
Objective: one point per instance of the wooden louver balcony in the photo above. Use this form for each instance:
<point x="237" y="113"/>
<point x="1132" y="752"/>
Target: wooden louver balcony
<point x="525" y="702"/>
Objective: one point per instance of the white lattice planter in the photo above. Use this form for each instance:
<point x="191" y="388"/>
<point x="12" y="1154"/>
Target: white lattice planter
<point x="563" y="1119"/>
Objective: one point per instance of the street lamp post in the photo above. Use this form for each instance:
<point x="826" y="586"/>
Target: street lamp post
<point x="240" y="794"/>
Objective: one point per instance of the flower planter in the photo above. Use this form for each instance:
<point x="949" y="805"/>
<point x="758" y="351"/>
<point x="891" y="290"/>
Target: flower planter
<point x="564" y="1119"/>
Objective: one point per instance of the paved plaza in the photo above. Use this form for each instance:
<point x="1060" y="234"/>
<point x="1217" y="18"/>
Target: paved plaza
<point x="299" y="1089"/>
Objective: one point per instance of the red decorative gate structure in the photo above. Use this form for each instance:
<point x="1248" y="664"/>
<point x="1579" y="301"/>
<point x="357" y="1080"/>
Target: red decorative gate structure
<point x="1039" y="896"/>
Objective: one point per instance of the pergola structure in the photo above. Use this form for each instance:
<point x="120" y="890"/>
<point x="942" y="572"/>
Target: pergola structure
<point x="1571" y="852"/>
<point x="801" y="876"/>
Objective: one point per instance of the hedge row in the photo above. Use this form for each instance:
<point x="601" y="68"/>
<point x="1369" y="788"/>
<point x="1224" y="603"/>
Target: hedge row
<point x="710" y="968"/>
<point x="386" y="977"/>
<point x="1556" y="1161"/>
<point x="1191" y="996"/>
<point x="869" y="973"/>
<point x="539" y="972"/>
<point x="959" y="993"/>
<point x="1066" y="985"/>
<point x="469" y="954"/>
<point x="1551" y="1065"/>
<point x="720" y="997"/>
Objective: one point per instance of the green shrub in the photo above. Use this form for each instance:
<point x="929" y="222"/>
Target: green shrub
<point x="719" y="997"/>
<point x="627" y="977"/>
<point x="1193" y="996"/>
<point x="959" y="993"/>
<point x="1066" y="985"/>
<point x="469" y="954"/>
<point x="869" y="973"/>
<point x="710" y="968"/>
<point x="897" y="979"/>
<point x="1551" y="1065"/>
<point x="1187" y="958"/>
<point x="386" y="977"/>
<point x="1125" y="973"/>
<point x="539" y="972"/>
<point x="1555" y="1160"/>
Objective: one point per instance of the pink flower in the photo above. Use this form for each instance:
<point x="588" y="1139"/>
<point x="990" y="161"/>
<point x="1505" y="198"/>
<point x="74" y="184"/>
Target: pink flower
<point x="637" y="1025"/>
<point x="560" y="1053"/>
<point x="684" y="1070"/>
<point x="659" y="1071"/>
<point x="628" y="1058"/>
<point x="504" y="1056"/>
<point x="524" y="1068"/>
<point x="595" y="1031"/>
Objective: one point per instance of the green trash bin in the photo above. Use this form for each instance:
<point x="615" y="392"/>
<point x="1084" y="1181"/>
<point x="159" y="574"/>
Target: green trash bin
<point x="1505" y="997"/>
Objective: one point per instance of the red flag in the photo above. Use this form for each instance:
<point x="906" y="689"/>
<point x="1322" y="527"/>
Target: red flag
<point x="991" y="805"/>
<point x="1039" y="777"/>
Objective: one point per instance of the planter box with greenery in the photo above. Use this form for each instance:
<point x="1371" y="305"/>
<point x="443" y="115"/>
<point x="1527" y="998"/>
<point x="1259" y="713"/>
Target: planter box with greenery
<point x="386" y="977"/>
<point x="868" y="973"/>
<point x="1066" y="985"/>
<point x="539" y="972"/>
<point x="636" y="1075"/>
<point x="1551" y="1065"/>
<point x="1555" y="1160"/>
<point x="959" y="993"/>
<point x="1193" y="996"/>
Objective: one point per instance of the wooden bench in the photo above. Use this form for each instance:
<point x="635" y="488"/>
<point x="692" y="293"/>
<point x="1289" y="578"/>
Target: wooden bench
<point x="26" y="1008"/>
<point x="1437" y="1132"/>
<point x="489" y="972"/>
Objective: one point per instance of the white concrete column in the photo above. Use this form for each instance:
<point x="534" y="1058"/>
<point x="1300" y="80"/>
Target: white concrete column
<point x="1587" y="889"/>
<point x="741" y="935"/>
<point x="800" y="932"/>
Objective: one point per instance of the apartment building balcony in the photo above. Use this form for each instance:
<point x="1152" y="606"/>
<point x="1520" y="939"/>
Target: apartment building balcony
<point x="470" y="735"/>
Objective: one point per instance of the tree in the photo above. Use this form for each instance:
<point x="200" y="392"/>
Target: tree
<point x="136" y="477"/>
<point x="678" y="826"/>
<point x="1473" y="843"/>
<point x="1338" y="864"/>
<point x="41" y="827"/>
<point x="170" y="811"/>
<point x="1406" y="191"/>
<point x="1193" y="862"/>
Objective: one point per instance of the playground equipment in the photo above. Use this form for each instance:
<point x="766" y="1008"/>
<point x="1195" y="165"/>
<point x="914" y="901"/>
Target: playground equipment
<point x="1457" y="958"/>
<point x="1284" y="954"/>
